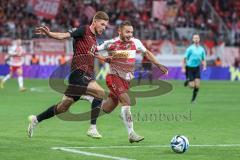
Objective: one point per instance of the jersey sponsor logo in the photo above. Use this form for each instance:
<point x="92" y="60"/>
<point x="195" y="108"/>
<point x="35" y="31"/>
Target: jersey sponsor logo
<point x="91" y="37"/>
<point x="93" y="49"/>
<point x="120" y="54"/>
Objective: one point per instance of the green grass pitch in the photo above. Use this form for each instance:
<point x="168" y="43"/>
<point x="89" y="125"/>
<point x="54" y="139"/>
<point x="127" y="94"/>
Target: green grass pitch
<point x="213" y="120"/>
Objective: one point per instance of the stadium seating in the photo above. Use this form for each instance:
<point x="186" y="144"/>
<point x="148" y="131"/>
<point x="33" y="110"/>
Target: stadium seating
<point x="75" y="13"/>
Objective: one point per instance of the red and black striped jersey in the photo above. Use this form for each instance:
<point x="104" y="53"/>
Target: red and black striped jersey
<point x="84" y="45"/>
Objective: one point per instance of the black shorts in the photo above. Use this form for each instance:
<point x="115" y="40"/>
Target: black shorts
<point x="77" y="84"/>
<point x="147" y="66"/>
<point x="193" y="73"/>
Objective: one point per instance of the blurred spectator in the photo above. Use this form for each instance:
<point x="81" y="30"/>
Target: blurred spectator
<point x="34" y="60"/>
<point x="218" y="62"/>
<point x="237" y="62"/>
<point x="17" y="19"/>
<point x="62" y="59"/>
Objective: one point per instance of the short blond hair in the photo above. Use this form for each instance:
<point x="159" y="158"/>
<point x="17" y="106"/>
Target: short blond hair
<point x="100" y="15"/>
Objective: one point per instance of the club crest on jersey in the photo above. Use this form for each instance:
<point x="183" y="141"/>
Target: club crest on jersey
<point x="128" y="46"/>
<point x="93" y="49"/>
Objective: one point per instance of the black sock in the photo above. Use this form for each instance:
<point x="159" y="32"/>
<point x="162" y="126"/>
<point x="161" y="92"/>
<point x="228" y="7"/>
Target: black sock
<point x="195" y="92"/>
<point x="186" y="83"/>
<point x="50" y="112"/>
<point x="96" y="106"/>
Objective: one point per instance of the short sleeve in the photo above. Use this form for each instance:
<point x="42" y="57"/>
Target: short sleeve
<point x="139" y="46"/>
<point x="77" y="33"/>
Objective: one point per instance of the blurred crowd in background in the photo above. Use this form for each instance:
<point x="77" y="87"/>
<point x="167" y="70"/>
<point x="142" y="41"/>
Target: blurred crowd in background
<point x="17" y="19"/>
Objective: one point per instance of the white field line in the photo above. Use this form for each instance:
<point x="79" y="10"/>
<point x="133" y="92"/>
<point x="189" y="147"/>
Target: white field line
<point x="76" y="149"/>
<point x="41" y="89"/>
<point x="90" y="153"/>
<point x="151" y="146"/>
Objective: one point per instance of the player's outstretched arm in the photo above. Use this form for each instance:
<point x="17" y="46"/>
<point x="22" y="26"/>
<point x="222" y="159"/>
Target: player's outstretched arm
<point x="56" y="35"/>
<point x="152" y="58"/>
<point x="104" y="47"/>
<point x="106" y="59"/>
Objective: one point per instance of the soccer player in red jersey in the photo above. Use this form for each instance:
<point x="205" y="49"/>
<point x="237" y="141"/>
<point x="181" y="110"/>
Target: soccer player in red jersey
<point x="15" y="61"/>
<point x="122" y="51"/>
<point x="82" y="70"/>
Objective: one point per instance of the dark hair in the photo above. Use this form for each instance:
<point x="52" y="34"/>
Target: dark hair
<point x="101" y="16"/>
<point x="195" y="34"/>
<point x="125" y="23"/>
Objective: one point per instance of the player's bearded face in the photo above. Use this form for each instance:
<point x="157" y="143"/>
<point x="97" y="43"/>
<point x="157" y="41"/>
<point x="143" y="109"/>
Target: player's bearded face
<point x="126" y="33"/>
<point x="196" y="39"/>
<point x="100" y="26"/>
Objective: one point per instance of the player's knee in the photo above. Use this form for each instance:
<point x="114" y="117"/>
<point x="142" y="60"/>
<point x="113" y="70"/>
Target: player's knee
<point x="191" y="84"/>
<point x="197" y="85"/>
<point x="107" y="111"/>
<point x="100" y="94"/>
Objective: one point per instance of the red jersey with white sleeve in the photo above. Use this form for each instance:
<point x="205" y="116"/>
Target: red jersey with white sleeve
<point x="16" y="56"/>
<point x="123" y="55"/>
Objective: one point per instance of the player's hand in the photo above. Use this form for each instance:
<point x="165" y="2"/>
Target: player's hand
<point x="204" y="68"/>
<point x="108" y="59"/>
<point x="183" y="70"/>
<point x="163" y="69"/>
<point x="42" y="30"/>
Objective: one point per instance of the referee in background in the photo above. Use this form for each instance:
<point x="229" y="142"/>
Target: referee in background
<point x="194" y="57"/>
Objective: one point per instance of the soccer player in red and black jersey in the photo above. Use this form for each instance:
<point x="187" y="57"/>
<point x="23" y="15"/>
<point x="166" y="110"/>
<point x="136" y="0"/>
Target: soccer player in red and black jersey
<point x="81" y="79"/>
